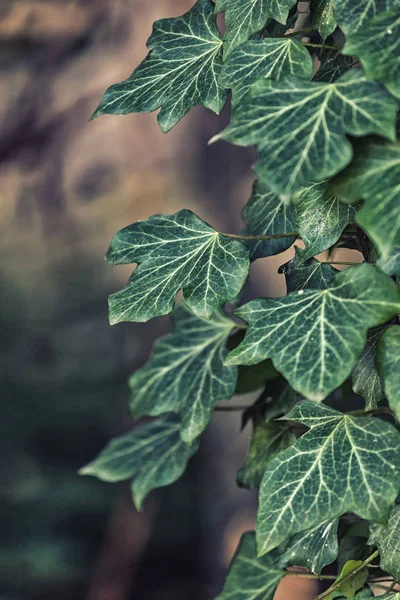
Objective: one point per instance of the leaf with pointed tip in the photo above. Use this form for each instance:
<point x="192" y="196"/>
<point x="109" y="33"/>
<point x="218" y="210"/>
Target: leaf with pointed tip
<point x="153" y="453"/>
<point x="377" y="45"/>
<point x="186" y="373"/>
<point x="353" y="15"/>
<point x="386" y="538"/>
<point x="309" y="274"/>
<point x="343" y="464"/>
<point x="374" y="176"/>
<point x="265" y="214"/>
<point x="300" y="126"/>
<point x="271" y="58"/>
<point x="314" y="337"/>
<point x="389" y="366"/>
<point x="243" y="18"/>
<point x="267" y="441"/>
<point x="365" y="377"/>
<point x="320" y="219"/>
<point x="323" y="17"/>
<point x="352" y="586"/>
<point x="180" y="71"/>
<point x="314" y="548"/>
<point x="249" y="576"/>
<point x="175" y="252"/>
<point x="333" y="64"/>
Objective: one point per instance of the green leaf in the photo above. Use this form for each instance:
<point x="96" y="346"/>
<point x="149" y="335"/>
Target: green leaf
<point x="353" y="15"/>
<point x="175" y="252"/>
<point x="365" y="377"/>
<point x="180" y="71"/>
<point x="309" y="274"/>
<point x="323" y="17"/>
<point x="389" y="366"/>
<point x="251" y="378"/>
<point x="186" y="373"/>
<point x="374" y="176"/>
<point x="386" y="538"/>
<point x="377" y="45"/>
<point x="314" y="548"/>
<point x="283" y="398"/>
<point x="350" y="587"/>
<point x="314" y="337"/>
<point x="351" y="547"/>
<point x="391" y="266"/>
<point x="153" y="453"/>
<point x="267" y="441"/>
<point x="250" y="577"/>
<point x="265" y="214"/>
<point x="333" y="64"/>
<point x="343" y="464"/>
<point x="390" y="596"/>
<point x="320" y="219"/>
<point x="243" y="18"/>
<point x="300" y="126"/>
<point x="271" y="58"/>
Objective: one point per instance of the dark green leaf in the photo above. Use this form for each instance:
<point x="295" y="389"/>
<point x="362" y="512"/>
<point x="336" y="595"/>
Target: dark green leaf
<point x="320" y="219"/>
<point x="267" y="441"/>
<point x="309" y="274"/>
<point x="391" y="266"/>
<point x="374" y="176"/>
<point x="245" y="17"/>
<point x="314" y="337"/>
<point x="180" y="71"/>
<point x="175" y="252"/>
<point x="333" y="65"/>
<point x="351" y="547"/>
<point x="253" y="377"/>
<point x="153" y="453"/>
<point x="366" y="380"/>
<point x="387" y="539"/>
<point x="265" y="214"/>
<point x="283" y="398"/>
<point x="343" y="464"/>
<point x="186" y="373"/>
<point x="353" y="15"/>
<point x="300" y="126"/>
<point x="266" y="58"/>
<point x="377" y="45"/>
<point x="314" y="548"/>
<point x="323" y="17"/>
<point x="250" y="577"/>
<point x="389" y="366"/>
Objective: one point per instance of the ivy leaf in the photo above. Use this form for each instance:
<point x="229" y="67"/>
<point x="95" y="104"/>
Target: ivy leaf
<point x="249" y="576"/>
<point x="153" y="453"/>
<point x="243" y="18"/>
<point x="265" y="214"/>
<point x="386" y="539"/>
<point x="323" y="17"/>
<point x="314" y="337"/>
<point x="351" y="547"/>
<point x="350" y="587"/>
<point x="180" y="71"/>
<point x="309" y="274"/>
<point x="271" y="58"/>
<point x="267" y="441"/>
<point x="314" y="548"/>
<point x="353" y="15"/>
<point x="391" y="266"/>
<point x="283" y="398"/>
<point x="300" y="126"/>
<point x="320" y="219"/>
<point x="389" y="366"/>
<point x="333" y="64"/>
<point x="251" y="378"/>
<point x="365" y="377"/>
<point x="343" y="464"/>
<point x="186" y="373"/>
<point x="374" y="176"/>
<point x="377" y="45"/>
<point x="390" y="596"/>
<point x="175" y="252"/>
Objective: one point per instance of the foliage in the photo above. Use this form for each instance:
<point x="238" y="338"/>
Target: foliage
<point x="322" y="114"/>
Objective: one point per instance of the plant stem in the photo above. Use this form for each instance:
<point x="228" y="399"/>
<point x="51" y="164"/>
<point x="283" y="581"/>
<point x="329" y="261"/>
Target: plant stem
<point x="324" y="46"/>
<point x="341" y="262"/>
<point x="348" y="577"/>
<point x="311" y="576"/>
<point x="366" y="413"/>
<point x="275" y="236"/>
<point x="299" y="32"/>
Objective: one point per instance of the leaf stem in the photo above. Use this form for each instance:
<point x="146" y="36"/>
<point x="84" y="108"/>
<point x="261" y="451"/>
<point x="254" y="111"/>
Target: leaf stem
<point x="372" y="411"/>
<point x="299" y="32"/>
<point x="341" y="262"/>
<point x="260" y="237"/>
<point x="348" y="577"/>
<point x="311" y="576"/>
<point x="323" y="46"/>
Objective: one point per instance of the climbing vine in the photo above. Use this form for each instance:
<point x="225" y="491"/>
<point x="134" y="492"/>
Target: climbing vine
<point x="320" y="105"/>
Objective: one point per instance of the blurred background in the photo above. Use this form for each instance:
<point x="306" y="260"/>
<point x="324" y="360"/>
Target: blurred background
<point x="66" y="186"/>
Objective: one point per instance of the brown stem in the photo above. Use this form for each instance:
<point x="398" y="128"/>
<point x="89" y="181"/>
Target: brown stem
<point x="275" y="236"/>
<point x="348" y="577"/>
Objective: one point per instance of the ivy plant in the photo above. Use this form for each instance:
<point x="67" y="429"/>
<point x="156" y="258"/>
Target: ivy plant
<point x="320" y="105"/>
